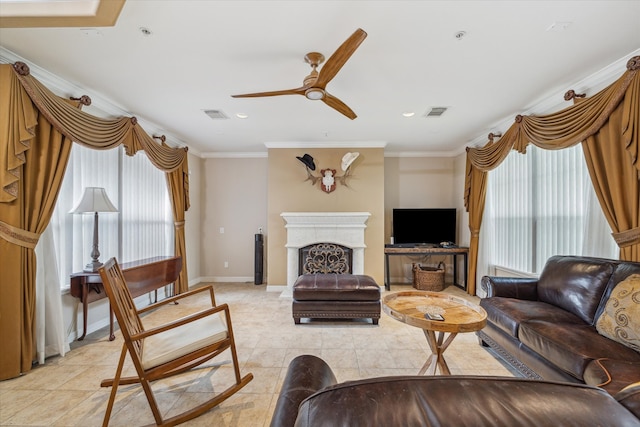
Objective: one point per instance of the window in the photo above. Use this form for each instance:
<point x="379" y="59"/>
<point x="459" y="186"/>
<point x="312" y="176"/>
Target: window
<point x="539" y="205"/>
<point x="143" y="225"/>
<point x="147" y="218"/>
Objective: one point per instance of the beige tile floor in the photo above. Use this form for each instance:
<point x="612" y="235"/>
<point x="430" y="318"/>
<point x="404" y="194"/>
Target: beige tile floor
<point x="66" y="391"/>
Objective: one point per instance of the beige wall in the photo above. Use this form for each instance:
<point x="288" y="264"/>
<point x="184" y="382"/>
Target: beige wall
<point x="234" y="197"/>
<point x="289" y="192"/>
<point x="193" y="218"/>
<point x="459" y="171"/>
<point x="243" y="194"/>
<point x="418" y="182"/>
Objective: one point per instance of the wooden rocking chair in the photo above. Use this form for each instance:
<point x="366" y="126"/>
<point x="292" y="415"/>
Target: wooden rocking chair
<point x="170" y="349"/>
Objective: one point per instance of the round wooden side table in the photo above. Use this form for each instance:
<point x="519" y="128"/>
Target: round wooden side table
<point x="459" y="315"/>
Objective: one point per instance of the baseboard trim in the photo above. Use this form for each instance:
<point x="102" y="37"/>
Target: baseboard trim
<point x="226" y="279"/>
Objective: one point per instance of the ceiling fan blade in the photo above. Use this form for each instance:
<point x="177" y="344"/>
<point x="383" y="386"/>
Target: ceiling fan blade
<point x="339" y="106"/>
<point x="298" y="91"/>
<point x="339" y="58"/>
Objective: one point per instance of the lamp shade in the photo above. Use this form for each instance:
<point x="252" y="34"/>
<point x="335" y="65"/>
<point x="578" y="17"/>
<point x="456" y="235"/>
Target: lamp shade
<point x="94" y="199"/>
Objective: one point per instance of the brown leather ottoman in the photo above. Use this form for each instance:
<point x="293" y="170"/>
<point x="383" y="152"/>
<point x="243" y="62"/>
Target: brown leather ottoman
<point x="336" y="296"/>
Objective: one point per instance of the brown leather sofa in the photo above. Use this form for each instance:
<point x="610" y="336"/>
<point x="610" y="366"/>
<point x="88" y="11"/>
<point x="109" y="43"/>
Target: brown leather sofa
<point x="545" y="327"/>
<point x="310" y="396"/>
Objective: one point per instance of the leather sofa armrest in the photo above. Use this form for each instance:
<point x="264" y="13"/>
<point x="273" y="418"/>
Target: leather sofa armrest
<point x="510" y="287"/>
<point x="306" y="375"/>
<point x="629" y="397"/>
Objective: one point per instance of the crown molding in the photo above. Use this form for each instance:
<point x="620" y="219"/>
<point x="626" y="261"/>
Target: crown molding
<point x="589" y="85"/>
<point x="100" y="105"/>
<point x="327" y="144"/>
<point x="410" y="154"/>
<point x="406" y="154"/>
<point x="234" y="155"/>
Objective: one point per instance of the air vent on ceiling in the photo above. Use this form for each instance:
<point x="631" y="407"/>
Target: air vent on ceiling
<point x="436" y="112"/>
<point x="216" y="114"/>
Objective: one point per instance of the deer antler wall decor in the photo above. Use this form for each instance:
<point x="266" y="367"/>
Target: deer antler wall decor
<point x="327" y="176"/>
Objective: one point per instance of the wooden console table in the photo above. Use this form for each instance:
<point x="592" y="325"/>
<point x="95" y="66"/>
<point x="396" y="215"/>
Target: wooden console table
<point x="143" y="276"/>
<point x="426" y="250"/>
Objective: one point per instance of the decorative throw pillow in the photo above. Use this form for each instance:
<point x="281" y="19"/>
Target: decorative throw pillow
<point x="620" y="320"/>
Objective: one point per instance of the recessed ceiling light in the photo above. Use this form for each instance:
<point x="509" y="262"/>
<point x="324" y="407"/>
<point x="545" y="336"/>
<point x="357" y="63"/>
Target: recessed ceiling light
<point x="408" y="114"/>
<point x="460" y="35"/>
<point x="241" y="115"/>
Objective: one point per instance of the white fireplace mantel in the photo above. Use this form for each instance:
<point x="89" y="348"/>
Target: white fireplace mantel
<point x="307" y="228"/>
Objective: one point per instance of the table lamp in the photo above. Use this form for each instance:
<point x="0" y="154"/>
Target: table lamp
<point x="94" y="200"/>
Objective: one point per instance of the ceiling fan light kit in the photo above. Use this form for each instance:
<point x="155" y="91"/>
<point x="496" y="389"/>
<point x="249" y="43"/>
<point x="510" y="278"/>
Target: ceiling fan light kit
<point x="314" y="85"/>
<point x="314" y="94"/>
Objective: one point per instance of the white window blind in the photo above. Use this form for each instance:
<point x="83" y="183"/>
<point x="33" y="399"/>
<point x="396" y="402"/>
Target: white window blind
<point x="147" y="219"/>
<point x="558" y="188"/>
<point x="539" y="205"/>
<point x="511" y="208"/>
<point x="143" y="225"/>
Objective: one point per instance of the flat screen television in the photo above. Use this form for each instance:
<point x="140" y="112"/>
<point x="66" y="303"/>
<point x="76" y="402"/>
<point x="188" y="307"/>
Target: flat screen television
<point x="424" y="226"/>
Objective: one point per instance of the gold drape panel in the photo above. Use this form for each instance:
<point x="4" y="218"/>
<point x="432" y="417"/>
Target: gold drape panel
<point x="177" y="181"/>
<point x="608" y="124"/>
<point x="615" y="177"/>
<point x="476" y="198"/>
<point x="37" y="128"/>
<point x="40" y="168"/>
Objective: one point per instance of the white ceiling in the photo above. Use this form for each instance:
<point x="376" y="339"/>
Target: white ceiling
<point x="202" y="52"/>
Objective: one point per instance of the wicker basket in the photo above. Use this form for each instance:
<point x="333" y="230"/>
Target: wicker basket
<point x="428" y="278"/>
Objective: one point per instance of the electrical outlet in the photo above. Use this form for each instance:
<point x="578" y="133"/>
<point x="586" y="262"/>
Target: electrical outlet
<point x="260" y="230"/>
<point x="226" y="264"/>
<point x="221" y="230"/>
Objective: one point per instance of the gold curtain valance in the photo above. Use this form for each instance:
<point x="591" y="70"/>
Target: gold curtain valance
<point x="608" y="126"/>
<point x="569" y="126"/>
<point x="77" y="125"/>
<point x="565" y="128"/>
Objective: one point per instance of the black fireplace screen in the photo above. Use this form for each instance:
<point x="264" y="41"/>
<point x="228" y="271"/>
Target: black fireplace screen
<point x="325" y="258"/>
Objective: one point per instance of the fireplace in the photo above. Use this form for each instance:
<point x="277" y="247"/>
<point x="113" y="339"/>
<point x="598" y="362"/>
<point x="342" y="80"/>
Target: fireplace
<point x="307" y="228"/>
<point x="325" y="258"/>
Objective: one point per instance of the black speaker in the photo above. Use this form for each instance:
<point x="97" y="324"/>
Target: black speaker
<point x="259" y="263"/>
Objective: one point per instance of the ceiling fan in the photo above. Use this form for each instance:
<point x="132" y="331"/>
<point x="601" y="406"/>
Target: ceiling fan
<point x="314" y="84"/>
